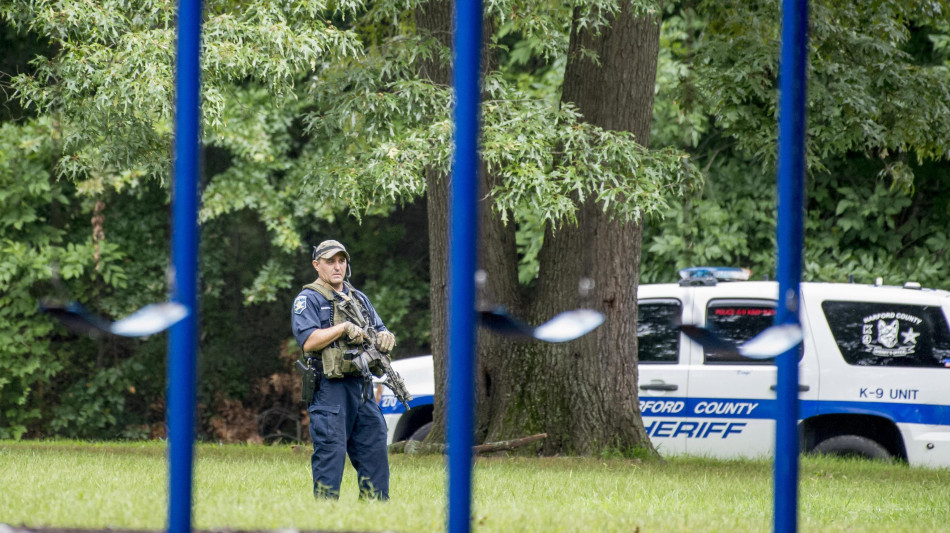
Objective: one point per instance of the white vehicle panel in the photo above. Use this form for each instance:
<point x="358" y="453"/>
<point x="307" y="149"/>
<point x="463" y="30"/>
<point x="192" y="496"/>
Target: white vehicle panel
<point x="927" y="445"/>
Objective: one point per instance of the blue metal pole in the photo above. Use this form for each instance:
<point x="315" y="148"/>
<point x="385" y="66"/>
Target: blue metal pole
<point x="463" y="242"/>
<point x="790" y="237"/>
<point x="182" y="343"/>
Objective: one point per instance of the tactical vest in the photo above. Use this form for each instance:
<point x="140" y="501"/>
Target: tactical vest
<point x="335" y="362"/>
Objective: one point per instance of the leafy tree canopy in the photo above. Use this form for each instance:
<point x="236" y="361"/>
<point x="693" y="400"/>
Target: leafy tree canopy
<point x="878" y="118"/>
<point x="875" y="87"/>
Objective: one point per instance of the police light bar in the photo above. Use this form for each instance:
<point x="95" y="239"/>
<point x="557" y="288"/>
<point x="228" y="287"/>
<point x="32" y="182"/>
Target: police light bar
<point x="716" y="273"/>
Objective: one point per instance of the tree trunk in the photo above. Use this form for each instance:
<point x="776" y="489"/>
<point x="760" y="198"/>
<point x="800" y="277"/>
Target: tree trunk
<point x="583" y="394"/>
<point x="498" y="253"/>
<point x="435" y="19"/>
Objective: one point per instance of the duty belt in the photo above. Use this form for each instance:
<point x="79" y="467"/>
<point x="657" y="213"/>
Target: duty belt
<point x="348" y="356"/>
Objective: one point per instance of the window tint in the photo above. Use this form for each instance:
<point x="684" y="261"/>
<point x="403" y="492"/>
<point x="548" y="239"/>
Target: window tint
<point x="658" y="338"/>
<point x="737" y="321"/>
<point x="882" y="334"/>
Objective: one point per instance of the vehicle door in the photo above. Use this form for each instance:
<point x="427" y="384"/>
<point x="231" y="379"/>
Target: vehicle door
<point x="662" y="367"/>
<point x="731" y="405"/>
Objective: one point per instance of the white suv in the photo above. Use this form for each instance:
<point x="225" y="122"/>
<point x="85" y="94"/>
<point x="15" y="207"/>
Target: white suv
<point x="874" y="374"/>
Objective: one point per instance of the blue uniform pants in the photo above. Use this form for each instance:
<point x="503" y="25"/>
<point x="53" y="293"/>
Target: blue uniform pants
<point x="342" y="424"/>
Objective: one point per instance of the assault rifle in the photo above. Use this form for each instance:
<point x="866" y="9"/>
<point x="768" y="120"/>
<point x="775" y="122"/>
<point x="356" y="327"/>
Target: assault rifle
<point x="367" y="358"/>
<point x="373" y="363"/>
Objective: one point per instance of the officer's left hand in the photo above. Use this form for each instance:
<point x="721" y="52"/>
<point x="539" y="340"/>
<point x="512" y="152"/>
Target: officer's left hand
<point x="385" y="341"/>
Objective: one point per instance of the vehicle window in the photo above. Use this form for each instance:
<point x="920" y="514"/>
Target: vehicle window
<point x="737" y="321"/>
<point x="882" y="334"/>
<point x="658" y="338"/>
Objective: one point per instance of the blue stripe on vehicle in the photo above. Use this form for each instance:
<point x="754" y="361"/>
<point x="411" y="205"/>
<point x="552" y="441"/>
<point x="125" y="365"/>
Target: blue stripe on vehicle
<point x="748" y="408"/>
<point x="389" y="405"/>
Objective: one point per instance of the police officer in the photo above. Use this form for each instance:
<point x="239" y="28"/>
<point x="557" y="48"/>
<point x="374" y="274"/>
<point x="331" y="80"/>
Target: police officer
<point x="344" y="417"/>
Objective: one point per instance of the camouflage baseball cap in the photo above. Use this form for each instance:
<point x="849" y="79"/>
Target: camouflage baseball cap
<point x="328" y="249"/>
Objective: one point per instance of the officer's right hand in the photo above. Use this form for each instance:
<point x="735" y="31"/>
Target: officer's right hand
<point x="354" y="334"/>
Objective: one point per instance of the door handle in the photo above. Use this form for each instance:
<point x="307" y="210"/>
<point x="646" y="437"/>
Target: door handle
<point x="659" y="386"/>
<point x="801" y="388"/>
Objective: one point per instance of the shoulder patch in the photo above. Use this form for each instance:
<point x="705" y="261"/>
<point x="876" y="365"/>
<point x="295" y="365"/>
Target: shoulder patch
<point x="300" y="304"/>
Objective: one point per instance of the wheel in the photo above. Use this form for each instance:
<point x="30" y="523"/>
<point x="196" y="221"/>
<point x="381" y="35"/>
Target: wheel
<point x="422" y="432"/>
<point x="853" y="446"/>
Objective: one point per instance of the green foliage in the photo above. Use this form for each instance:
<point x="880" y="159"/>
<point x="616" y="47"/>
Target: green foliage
<point x="529" y="239"/>
<point x="377" y="125"/>
<point x="111" y="80"/>
<point x="403" y="303"/>
<point x="45" y="227"/>
<point x="731" y="223"/>
<point x="110" y="85"/>
<point x="677" y="120"/>
<point x="92" y="406"/>
<point x="866" y="94"/>
<point x="546" y="158"/>
<point x="104" y="90"/>
<point x="27" y="362"/>
<point x="855" y="225"/>
<point x="272" y="277"/>
<point x="551" y="160"/>
<point x="864" y="228"/>
<point x="879" y="109"/>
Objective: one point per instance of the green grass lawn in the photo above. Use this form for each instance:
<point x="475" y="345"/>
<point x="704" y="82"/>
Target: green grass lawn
<point x="97" y="485"/>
